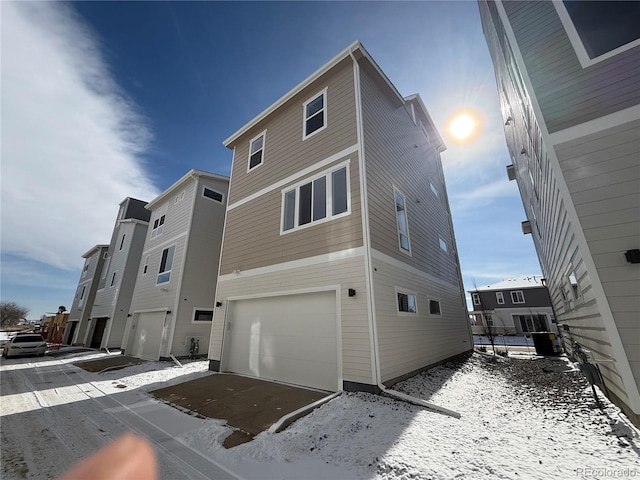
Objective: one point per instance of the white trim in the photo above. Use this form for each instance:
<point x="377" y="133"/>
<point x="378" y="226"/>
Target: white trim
<point x="322" y="93"/>
<point x="291" y="178"/>
<point x="383" y="257"/>
<point x="434" y="189"/>
<point x="406" y="216"/>
<point x="303" y="262"/>
<point x="149" y="310"/>
<point x="165" y="243"/>
<point x="596" y="125"/>
<point x="145" y="264"/>
<point x="511" y="292"/>
<point x="474" y="296"/>
<point x="366" y="234"/>
<point x="623" y="366"/>
<point x="202" y="322"/>
<point x="328" y="174"/>
<point x="170" y="267"/>
<point x="498" y="298"/>
<point x="192" y="174"/>
<point x="405" y="291"/>
<point x="578" y="45"/>
<point x="263" y="134"/>
<point x="431" y="299"/>
<point x="442" y="244"/>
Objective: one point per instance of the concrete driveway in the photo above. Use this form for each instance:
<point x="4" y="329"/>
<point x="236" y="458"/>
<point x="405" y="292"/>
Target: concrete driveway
<point x="247" y="404"/>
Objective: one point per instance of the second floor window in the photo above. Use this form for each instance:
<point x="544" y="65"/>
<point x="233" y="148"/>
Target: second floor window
<point x="476" y="298"/>
<point x="403" y="224"/>
<point x="158" y="223"/>
<point x="315" y="114"/>
<point x="517" y="296"/>
<point x="406" y="302"/>
<point x="166" y="262"/>
<point x="256" y="151"/>
<point x="318" y="200"/>
<point x="500" y="298"/>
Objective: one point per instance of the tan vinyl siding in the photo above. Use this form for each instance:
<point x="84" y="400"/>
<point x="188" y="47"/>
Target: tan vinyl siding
<point x="408" y="343"/>
<point x="285" y="153"/>
<point x="252" y="232"/>
<point x="398" y="154"/>
<point x="200" y="268"/>
<point x="567" y="93"/>
<point x="348" y="273"/>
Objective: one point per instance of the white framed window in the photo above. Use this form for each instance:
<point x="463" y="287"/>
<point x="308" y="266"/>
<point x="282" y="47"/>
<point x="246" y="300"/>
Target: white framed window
<point x="314" y="114"/>
<point x="105" y="267"/>
<point x="434" y="189"/>
<point x="212" y="195"/>
<point x="599" y="30"/>
<point x="402" y="222"/>
<point x="81" y="299"/>
<point x="488" y="318"/>
<point x="517" y="296"/>
<point x="122" y="241"/>
<point x="145" y="265"/>
<point x="424" y="130"/>
<point x="113" y="279"/>
<point x="443" y="244"/>
<point x="316" y="200"/>
<point x="166" y="263"/>
<point x="158" y="222"/>
<point x="406" y="302"/>
<point x="434" y="308"/>
<point x="500" y="298"/>
<point x="476" y="298"/>
<point x="85" y="269"/>
<point x="256" y="151"/>
<point x="574" y="286"/>
<point x="203" y="315"/>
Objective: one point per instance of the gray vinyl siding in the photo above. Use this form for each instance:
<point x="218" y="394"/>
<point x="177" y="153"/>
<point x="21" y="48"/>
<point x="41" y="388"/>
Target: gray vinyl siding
<point x="408" y="343"/>
<point x="397" y="153"/>
<point x="252" y="231"/>
<point x="533" y="298"/>
<point x="135" y="209"/>
<point x="354" y="331"/>
<point x="285" y="153"/>
<point x="567" y="93"/>
<point x="197" y="289"/>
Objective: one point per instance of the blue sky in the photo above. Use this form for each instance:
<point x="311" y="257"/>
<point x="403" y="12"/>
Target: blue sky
<point x="103" y="100"/>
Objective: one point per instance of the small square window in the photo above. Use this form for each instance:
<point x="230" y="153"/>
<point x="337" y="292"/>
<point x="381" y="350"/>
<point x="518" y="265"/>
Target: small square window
<point x="517" y="296"/>
<point x="315" y="114"/>
<point x="406" y="302"/>
<point x="202" y="315"/>
<point x="434" y="307"/>
<point x="213" y="195"/>
<point x="256" y="151"/>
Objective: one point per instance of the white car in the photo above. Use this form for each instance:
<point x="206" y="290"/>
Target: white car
<point x="26" y="344"/>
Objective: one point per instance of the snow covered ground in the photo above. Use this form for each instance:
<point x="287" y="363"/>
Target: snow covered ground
<point x="516" y="422"/>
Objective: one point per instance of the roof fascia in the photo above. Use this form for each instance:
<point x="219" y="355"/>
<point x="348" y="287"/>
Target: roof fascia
<point x="418" y="98"/>
<point x="192" y="174"/>
<point x="95" y="248"/>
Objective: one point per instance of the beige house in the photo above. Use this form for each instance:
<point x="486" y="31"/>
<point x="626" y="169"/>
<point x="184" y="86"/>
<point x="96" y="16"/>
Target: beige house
<point x="571" y="109"/>
<point x="173" y="297"/>
<point x="339" y="267"/>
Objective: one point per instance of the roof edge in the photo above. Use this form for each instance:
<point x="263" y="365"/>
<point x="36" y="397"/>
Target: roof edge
<point x="191" y="174"/>
<point x="93" y="249"/>
<point x="416" y="96"/>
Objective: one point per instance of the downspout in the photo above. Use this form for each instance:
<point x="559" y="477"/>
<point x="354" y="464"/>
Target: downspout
<point x="367" y="261"/>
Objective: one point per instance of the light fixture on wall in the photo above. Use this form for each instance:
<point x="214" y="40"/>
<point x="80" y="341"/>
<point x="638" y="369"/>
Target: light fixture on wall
<point x="632" y="256"/>
<point x="218" y="304"/>
<point x="352" y="292"/>
<point x="128" y="315"/>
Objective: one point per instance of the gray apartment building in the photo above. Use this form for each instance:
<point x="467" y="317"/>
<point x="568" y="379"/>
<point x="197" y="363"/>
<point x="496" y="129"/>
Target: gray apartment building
<point x="568" y="77"/>
<point x="339" y="268"/>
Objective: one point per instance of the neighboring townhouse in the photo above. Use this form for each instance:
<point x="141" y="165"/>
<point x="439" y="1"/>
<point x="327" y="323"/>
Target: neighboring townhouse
<point x="516" y="306"/>
<point x="173" y="298"/>
<point x="76" y="327"/>
<point x="568" y="76"/>
<point x="115" y="288"/>
<point x="339" y="267"/>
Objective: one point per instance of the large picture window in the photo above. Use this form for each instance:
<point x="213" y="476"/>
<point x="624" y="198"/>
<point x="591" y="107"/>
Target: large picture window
<point x="403" y="223"/>
<point x="321" y="199"/>
<point x="166" y="262"/>
<point x="315" y="114"/>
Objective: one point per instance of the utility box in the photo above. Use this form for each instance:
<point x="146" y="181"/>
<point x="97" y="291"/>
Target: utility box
<point x="545" y="343"/>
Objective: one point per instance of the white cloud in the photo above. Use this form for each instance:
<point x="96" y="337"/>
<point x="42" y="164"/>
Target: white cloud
<point x="482" y="195"/>
<point x="72" y="143"/>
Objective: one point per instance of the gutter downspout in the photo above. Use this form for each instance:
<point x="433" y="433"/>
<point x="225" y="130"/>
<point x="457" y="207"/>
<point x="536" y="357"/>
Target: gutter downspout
<point x="367" y="255"/>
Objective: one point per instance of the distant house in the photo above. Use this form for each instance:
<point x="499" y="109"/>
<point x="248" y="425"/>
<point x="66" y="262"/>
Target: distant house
<point x="339" y="267"/>
<point x="516" y="306"/>
<point x="568" y="77"/>
<point x="173" y="297"/>
<point x="76" y="327"/>
<point x="115" y="288"/>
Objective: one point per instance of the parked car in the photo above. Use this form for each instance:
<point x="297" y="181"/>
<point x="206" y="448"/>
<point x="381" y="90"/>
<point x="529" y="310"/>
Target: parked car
<point x="26" y="344"/>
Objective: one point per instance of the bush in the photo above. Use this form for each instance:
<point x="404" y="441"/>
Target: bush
<point x="482" y="349"/>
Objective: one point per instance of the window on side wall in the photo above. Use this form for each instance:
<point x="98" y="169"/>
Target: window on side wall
<point x="122" y="241"/>
<point x="434" y="308"/>
<point x="113" y="279"/>
<point x="406" y="302"/>
<point x="158" y="223"/>
<point x="166" y="262"/>
<point x="213" y="195"/>
<point x="145" y="266"/>
<point x="256" y="151"/>
<point x="500" y="298"/>
<point x="476" y="298"/>
<point x="202" y="315"/>
<point x="315" y="114"/>
<point x="517" y="296"/>
<point x="315" y="201"/>
<point x="402" y="222"/>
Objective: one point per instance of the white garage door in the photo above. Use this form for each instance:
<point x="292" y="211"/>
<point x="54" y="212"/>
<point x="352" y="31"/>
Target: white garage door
<point x="148" y="335"/>
<point x="288" y="338"/>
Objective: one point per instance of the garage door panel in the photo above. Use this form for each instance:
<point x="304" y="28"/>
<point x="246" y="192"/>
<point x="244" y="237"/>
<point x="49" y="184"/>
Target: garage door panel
<point x="148" y="335"/>
<point x="288" y="338"/>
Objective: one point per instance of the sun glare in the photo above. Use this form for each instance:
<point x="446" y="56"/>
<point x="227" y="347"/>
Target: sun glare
<point x="462" y="126"/>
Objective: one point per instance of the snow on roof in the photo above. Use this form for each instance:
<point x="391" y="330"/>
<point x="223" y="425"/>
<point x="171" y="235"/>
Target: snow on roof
<point x="523" y="281"/>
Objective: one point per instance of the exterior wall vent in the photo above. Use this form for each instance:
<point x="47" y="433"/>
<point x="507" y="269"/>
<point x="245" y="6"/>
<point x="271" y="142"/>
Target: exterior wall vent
<point x="526" y="227"/>
<point x="511" y="172"/>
